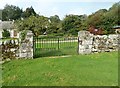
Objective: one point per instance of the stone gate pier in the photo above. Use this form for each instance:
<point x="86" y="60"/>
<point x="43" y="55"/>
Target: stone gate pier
<point x="85" y="42"/>
<point x="26" y="46"/>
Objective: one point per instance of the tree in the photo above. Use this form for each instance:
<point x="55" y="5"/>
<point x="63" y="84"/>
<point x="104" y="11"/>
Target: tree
<point x="11" y="12"/>
<point x="54" y="22"/>
<point x="105" y="19"/>
<point x="102" y="19"/>
<point x="28" y="12"/>
<point x="71" y="24"/>
<point x="54" y="19"/>
<point x="38" y="25"/>
<point x="96" y="18"/>
<point x="111" y="18"/>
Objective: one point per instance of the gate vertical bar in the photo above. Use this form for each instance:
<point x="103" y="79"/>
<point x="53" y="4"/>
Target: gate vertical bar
<point x="58" y="43"/>
<point x="78" y="45"/>
<point x="34" y="47"/>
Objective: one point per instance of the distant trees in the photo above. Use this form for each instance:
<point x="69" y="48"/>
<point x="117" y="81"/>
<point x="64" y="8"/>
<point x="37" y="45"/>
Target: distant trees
<point x="38" y="25"/>
<point x="96" y="18"/>
<point x="105" y="19"/>
<point x="71" y="24"/>
<point x="54" y="24"/>
<point x="111" y="18"/>
<point x="28" y="12"/>
<point x="11" y="12"/>
<point x="102" y="19"/>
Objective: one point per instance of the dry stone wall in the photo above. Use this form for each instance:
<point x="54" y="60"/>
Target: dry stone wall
<point x="26" y="46"/>
<point x="89" y="43"/>
<point x="9" y="49"/>
<point x="16" y="48"/>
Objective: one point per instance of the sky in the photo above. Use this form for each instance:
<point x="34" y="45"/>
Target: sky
<point x="61" y="7"/>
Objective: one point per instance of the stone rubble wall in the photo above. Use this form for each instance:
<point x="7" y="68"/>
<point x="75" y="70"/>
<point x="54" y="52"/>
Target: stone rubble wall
<point x="26" y="46"/>
<point x="9" y="49"/>
<point x="89" y="43"/>
<point x="15" y="48"/>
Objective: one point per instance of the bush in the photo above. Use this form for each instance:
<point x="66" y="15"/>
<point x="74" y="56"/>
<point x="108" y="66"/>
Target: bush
<point x="5" y="33"/>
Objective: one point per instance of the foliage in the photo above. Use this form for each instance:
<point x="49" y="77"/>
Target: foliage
<point x="102" y="19"/>
<point x="5" y="33"/>
<point x="23" y="34"/>
<point x="6" y="49"/>
<point x="54" y="22"/>
<point x="11" y="12"/>
<point x="71" y="24"/>
<point x="105" y="19"/>
<point x="38" y="25"/>
<point x="28" y="12"/>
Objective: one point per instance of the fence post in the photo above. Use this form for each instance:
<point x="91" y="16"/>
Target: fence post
<point x="33" y="46"/>
<point x="58" y="43"/>
<point x="78" y="46"/>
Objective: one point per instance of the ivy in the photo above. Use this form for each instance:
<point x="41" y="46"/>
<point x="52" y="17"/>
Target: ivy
<point x="23" y="35"/>
<point x="6" y="33"/>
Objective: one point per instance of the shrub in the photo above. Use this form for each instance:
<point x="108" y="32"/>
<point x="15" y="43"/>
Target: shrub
<point x="5" y="33"/>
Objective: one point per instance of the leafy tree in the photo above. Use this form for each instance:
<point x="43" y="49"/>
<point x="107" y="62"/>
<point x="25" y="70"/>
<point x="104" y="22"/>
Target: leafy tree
<point x="72" y="24"/>
<point x="28" y="12"/>
<point x="111" y="18"/>
<point x="96" y="18"/>
<point x="54" y="22"/>
<point x="38" y="25"/>
<point x="11" y="12"/>
<point x="54" y="19"/>
<point x="105" y="19"/>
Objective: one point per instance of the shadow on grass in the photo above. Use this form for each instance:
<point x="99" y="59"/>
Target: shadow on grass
<point x="48" y="53"/>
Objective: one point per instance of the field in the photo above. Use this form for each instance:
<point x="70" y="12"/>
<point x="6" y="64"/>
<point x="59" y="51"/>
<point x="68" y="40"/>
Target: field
<point x="76" y="70"/>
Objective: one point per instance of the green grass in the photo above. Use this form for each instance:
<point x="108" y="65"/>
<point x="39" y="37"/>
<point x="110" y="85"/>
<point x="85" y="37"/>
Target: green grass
<point x="78" y="70"/>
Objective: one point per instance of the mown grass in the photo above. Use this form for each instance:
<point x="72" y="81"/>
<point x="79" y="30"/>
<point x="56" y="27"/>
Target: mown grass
<point x="78" y="70"/>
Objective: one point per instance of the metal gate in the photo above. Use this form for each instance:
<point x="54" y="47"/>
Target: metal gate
<point x="55" y="46"/>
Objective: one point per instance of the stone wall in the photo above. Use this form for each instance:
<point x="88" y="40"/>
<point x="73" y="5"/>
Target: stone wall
<point x="89" y="43"/>
<point x="9" y="49"/>
<point x="15" y="48"/>
<point x="26" y="46"/>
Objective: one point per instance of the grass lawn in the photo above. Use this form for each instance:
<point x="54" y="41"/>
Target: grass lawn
<point x="77" y="70"/>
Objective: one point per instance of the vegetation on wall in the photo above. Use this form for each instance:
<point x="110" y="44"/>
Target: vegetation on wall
<point x="5" y="33"/>
<point x="23" y="34"/>
<point x="9" y="49"/>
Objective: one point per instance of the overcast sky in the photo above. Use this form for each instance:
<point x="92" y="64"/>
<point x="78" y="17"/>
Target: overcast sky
<point x="61" y="7"/>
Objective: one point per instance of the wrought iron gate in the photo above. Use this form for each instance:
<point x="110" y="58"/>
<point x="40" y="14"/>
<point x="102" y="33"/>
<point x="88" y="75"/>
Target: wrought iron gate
<point x="55" y="46"/>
